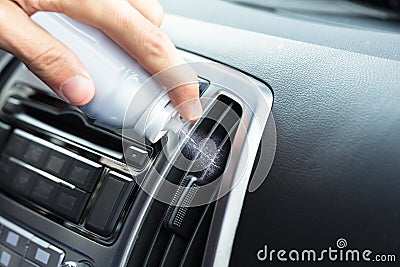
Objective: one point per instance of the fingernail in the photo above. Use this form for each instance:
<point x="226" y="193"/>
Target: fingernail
<point x="78" y="90"/>
<point x="197" y="110"/>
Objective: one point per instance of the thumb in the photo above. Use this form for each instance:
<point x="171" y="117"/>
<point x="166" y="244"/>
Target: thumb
<point x="50" y="60"/>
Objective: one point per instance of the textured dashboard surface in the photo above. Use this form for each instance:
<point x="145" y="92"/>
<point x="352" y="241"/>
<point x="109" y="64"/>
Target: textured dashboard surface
<point x="337" y="166"/>
<point x="357" y="35"/>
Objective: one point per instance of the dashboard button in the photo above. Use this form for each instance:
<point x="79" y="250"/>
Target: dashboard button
<point x="14" y="241"/>
<point x="16" y="146"/>
<point x="57" y="164"/>
<point x="6" y="172"/>
<point x="44" y="191"/>
<point x="23" y="181"/>
<point x="35" y="154"/>
<point x="43" y="256"/>
<point x="136" y="157"/>
<point x="70" y="203"/>
<point x="109" y="204"/>
<point x="84" y="175"/>
<point x="9" y="258"/>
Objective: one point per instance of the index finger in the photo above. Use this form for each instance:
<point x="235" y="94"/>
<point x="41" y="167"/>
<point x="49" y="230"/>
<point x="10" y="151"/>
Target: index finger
<point x="155" y="51"/>
<point x="137" y="35"/>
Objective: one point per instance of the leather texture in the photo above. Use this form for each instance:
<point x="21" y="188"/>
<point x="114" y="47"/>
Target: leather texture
<point x="336" y="172"/>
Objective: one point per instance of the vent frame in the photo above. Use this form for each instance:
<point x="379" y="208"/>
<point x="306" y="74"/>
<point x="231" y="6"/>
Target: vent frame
<point x="227" y="210"/>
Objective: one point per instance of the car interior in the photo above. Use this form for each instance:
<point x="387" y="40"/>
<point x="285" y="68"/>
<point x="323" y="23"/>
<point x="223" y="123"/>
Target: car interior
<point x="305" y="124"/>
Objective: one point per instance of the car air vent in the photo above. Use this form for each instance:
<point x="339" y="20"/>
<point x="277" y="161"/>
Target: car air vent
<point x="61" y="116"/>
<point x="179" y="235"/>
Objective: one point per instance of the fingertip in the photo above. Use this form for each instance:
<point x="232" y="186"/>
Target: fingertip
<point x="185" y="99"/>
<point x="197" y="111"/>
<point x="191" y="110"/>
<point x="78" y="90"/>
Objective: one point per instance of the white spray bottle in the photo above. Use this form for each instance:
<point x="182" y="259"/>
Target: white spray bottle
<point x="117" y="78"/>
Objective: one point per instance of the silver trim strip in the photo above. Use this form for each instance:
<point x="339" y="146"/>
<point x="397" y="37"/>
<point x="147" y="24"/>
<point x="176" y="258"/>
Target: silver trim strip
<point x="138" y="149"/>
<point x="40" y="242"/>
<point x="16" y="228"/>
<point x="228" y="208"/>
<point x="41" y="173"/>
<point x="120" y="176"/>
<point x="55" y="147"/>
<point x="83" y="143"/>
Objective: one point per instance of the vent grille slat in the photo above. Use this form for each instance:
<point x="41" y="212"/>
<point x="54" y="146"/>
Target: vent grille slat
<point x="198" y="241"/>
<point x="176" y="247"/>
<point x="159" y="242"/>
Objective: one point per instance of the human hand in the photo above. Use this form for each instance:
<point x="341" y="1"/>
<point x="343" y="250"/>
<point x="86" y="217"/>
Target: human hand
<point x="133" y="24"/>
